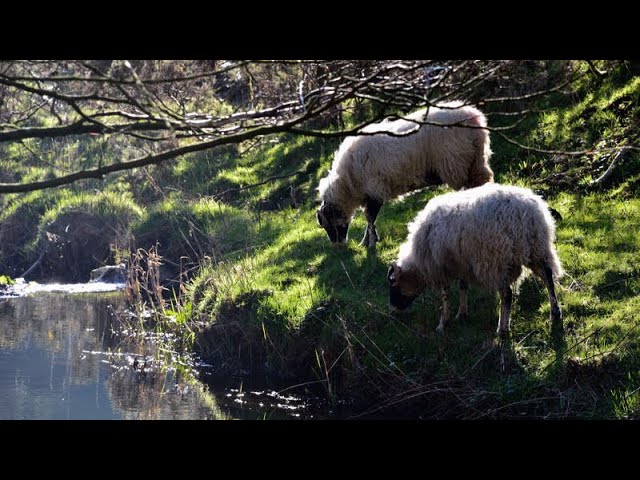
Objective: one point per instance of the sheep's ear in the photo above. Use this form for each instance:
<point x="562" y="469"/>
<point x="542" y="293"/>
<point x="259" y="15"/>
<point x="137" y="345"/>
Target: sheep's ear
<point x="393" y="275"/>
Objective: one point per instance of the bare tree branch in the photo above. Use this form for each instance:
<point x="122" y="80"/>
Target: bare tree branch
<point x="546" y="151"/>
<point x="254" y="185"/>
<point x="100" y="172"/>
<point x="180" y="107"/>
<point x="602" y="179"/>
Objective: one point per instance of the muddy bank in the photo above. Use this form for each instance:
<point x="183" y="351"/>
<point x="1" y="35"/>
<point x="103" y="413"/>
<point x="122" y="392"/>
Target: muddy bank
<point x="65" y="251"/>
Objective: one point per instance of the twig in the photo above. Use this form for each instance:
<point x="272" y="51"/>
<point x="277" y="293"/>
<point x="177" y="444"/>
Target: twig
<point x="348" y="276"/>
<point x="595" y="332"/>
<point x="600" y="181"/>
<point x="300" y="385"/>
<point x="594" y="70"/>
<point x="624" y="338"/>
<point x="542" y="150"/>
<point x="36" y="263"/>
<point x="247" y="187"/>
<point x="521" y="402"/>
<point x="482" y="357"/>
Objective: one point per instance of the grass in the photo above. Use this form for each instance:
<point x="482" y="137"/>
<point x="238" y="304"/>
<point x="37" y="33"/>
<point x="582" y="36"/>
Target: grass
<point x="19" y="220"/>
<point x="297" y="304"/>
<point x="102" y="204"/>
<point x="269" y="293"/>
<point x="78" y="229"/>
<point x="301" y="289"/>
<point x="604" y="114"/>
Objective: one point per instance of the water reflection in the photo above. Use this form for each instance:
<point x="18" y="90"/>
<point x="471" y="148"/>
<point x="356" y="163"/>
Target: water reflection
<point x="60" y="360"/>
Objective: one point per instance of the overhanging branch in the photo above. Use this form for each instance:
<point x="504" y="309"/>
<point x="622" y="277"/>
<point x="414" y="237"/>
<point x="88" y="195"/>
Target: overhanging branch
<point x="138" y="162"/>
<point x="158" y="105"/>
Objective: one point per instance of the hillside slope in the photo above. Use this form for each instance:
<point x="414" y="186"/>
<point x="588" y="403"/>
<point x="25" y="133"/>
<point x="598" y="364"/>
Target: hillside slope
<point x="291" y="304"/>
<point x="263" y="290"/>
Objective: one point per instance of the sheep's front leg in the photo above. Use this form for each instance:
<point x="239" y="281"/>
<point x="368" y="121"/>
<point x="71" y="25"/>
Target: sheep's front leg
<point x="506" y="298"/>
<point x="444" y="314"/>
<point x="371" y="209"/>
<point x="556" y="314"/>
<point x="462" y="308"/>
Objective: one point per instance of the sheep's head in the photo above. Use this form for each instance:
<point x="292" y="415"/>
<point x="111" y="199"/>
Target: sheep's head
<point x="404" y="286"/>
<point x="334" y="221"/>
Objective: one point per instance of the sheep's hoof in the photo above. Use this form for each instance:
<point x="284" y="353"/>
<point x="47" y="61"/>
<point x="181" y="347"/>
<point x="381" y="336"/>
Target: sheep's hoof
<point x="503" y="334"/>
<point x="556" y="324"/>
<point x="461" y="317"/>
<point x="370" y="238"/>
<point x="368" y="242"/>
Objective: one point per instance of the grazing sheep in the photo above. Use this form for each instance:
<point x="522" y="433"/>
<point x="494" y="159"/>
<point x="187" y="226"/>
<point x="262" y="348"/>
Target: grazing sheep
<point x="371" y="169"/>
<point x="483" y="236"/>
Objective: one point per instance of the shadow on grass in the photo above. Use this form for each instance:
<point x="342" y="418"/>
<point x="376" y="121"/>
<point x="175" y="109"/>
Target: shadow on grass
<point x="282" y="160"/>
<point x="617" y="285"/>
<point x="394" y="364"/>
<point x="397" y="357"/>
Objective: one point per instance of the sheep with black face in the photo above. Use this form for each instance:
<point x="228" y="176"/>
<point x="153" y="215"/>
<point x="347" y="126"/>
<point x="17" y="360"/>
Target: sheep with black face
<point x="449" y="143"/>
<point x="482" y="236"/>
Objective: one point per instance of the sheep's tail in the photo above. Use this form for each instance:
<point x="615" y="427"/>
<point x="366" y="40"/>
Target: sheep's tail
<point x="553" y="261"/>
<point x="551" y="254"/>
<point x="479" y="171"/>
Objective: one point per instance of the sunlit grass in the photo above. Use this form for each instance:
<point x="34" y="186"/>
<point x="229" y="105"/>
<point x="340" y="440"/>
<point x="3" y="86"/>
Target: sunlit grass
<point x="104" y="204"/>
<point x="298" y="273"/>
<point x="273" y="294"/>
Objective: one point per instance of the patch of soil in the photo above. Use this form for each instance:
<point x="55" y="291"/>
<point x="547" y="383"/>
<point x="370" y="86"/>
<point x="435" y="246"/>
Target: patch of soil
<point x="15" y="233"/>
<point x="235" y="340"/>
<point x="76" y="243"/>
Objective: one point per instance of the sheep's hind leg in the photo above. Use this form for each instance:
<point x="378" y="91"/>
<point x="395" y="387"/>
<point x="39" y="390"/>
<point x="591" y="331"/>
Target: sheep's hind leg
<point x="556" y="314"/>
<point x="371" y="210"/>
<point x="506" y="298"/>
<point x="444" y="314"/>
<point x="462" y="308"/>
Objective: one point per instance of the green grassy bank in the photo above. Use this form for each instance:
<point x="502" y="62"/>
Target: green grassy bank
<point x="267" y="293"/>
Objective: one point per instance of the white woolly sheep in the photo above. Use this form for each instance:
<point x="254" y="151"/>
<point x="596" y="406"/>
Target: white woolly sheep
<point x="483" y="236"/>
<point x="370" y="169"/>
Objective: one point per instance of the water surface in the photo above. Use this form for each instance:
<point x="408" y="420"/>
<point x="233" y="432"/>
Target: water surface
<point x="60" y="359"/>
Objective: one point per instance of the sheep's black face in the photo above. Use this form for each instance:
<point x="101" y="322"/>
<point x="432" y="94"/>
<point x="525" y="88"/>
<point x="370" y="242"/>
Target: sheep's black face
<point x="398" y="300"/>
<point x="334" y="222"/>
<point x="402" y="291"/>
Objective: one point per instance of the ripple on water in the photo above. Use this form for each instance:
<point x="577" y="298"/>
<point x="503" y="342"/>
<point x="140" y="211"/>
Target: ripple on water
<point x="22" y="287"/>
<point x="64" y="357"/>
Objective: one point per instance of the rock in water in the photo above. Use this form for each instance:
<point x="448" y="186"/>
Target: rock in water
<point x="109" y="274"/>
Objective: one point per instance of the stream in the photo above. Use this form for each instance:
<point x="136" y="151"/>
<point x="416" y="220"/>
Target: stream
<point x="60" y="359"/>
